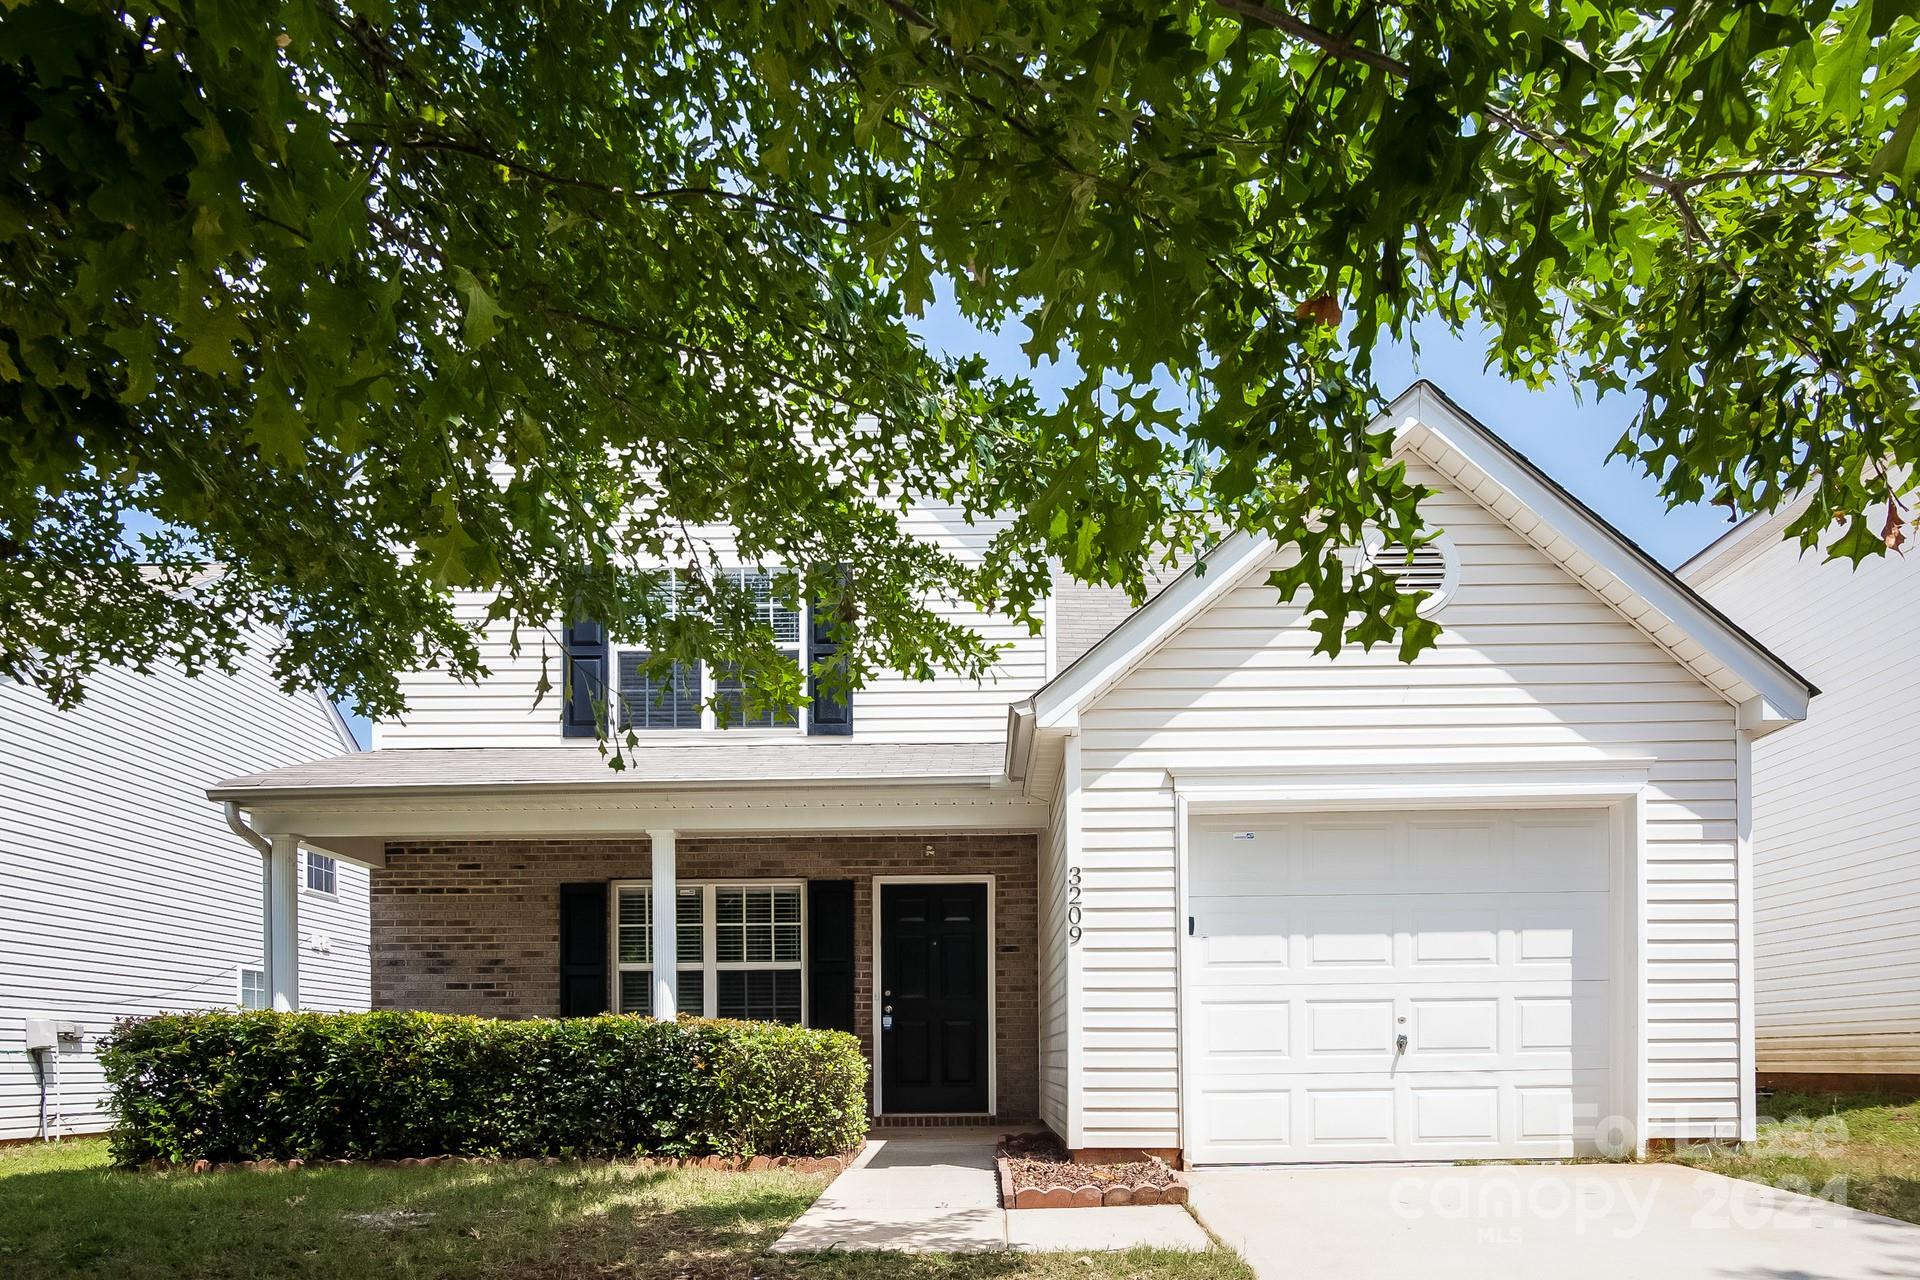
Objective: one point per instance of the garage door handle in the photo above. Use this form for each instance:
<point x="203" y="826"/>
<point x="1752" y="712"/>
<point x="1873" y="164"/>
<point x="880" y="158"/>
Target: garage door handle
<point x="1399" y="1044"/>
<point x="1189" y="926"/>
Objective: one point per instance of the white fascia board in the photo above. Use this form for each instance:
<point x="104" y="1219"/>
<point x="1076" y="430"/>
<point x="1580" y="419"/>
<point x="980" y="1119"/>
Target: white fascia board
<point x="1057" y="705"/>
<point x="1782" y="689"/>
<point x="614" y="785"/>
<point x="341" y="822"/>
<point x="1757" y="717"/>
<point x="338" y="722"/>
<point x="1019" y="739"/>
<point x="1740" y="544"/>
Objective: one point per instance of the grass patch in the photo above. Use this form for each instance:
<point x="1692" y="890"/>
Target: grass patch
<point x="65" y="1212"/>
<point x="1863" y="1150"/>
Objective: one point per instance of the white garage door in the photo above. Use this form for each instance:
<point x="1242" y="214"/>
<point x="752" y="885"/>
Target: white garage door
<point x="1413" y="986"/>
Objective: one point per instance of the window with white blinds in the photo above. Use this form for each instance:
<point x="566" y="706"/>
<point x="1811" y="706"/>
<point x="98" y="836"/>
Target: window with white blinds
<point x="740" y="950"/>
<point x="675" y="698"/>
<point x="651" y="699"/>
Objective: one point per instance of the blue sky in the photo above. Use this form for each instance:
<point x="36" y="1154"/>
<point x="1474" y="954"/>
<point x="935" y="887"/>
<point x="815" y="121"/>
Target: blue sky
<point x="1566" y="437"/>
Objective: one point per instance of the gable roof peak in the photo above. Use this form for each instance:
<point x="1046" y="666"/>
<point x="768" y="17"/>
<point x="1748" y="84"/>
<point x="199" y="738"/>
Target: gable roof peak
<point x="1431" y="425"/>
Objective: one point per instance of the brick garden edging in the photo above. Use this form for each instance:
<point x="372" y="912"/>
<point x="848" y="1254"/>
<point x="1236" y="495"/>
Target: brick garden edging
<point x="736" y="1164"/>
<point x="1084" y="1196"/>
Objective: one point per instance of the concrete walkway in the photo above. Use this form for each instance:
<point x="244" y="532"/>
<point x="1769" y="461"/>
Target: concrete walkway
<point x="934" y="1191"/>
<point x="1567" y="1222"/>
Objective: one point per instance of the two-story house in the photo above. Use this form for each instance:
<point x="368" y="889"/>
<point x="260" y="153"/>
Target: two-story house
<point x="1837" y="867"/>
<point x="1168" y="881"/>
<point x="123" y="892"/>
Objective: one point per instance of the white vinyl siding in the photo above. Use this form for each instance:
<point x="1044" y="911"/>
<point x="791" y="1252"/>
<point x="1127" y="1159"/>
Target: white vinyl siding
<point x="499" y="711"/>
<point x="1836" y="850"/>
<point x="122" y="891"/>
<point x="1532" y="666"/>
<point x="1055" y="957"/>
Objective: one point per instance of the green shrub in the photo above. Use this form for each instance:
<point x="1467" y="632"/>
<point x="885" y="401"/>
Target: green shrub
<point x="260" y="1086"/>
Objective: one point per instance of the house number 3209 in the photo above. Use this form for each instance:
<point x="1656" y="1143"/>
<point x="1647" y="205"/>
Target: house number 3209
<point x="1073" y="904"/>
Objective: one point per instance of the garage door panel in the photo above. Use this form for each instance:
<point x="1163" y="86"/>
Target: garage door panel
<point x="1347" y="934"/>
<point x="1454" y="1025"/>
<point x="1345" y="1028"/>
<point x="1340" y="938"/>
<point x="1495" y="971"/>
<point x="1469" y="1113"/>
<point x="1558" y="854"/>
<point x="1251" y="1035"/>
<point x="1349" y="1115"/>
<point x="1252" y="1124"/>
<point x="1344" y="857"/>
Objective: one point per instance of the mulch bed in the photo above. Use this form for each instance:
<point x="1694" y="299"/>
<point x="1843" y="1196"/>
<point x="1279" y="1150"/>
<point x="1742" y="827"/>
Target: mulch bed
<point x="1036" y="1172"/>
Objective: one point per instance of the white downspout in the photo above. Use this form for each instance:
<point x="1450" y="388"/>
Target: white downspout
<point x="279" y="907"/>
<point x="238" y="825"/>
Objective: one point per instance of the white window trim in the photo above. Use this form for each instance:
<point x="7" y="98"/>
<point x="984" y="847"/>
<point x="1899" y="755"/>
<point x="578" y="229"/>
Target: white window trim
<point x="306" y="887"/>
<point x="703" y="677"/>
<point x="240" y="972"/>
<point x="710" y="964"/>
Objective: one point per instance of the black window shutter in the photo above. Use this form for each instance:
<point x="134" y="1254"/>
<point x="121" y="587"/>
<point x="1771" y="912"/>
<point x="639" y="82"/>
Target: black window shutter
<point x="829" y="712"/>
<point x="583" y="949"/>
<point x="586" y="679"/>
<point x="830" y="954"/>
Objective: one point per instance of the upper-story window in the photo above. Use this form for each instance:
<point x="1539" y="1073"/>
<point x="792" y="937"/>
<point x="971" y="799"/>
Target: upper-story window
<point x="678" y="697"/>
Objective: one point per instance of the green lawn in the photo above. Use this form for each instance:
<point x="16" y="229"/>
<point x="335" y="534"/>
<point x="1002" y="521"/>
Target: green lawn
<point x="65" y="1212"/>
<point x="1872" y="1143"/>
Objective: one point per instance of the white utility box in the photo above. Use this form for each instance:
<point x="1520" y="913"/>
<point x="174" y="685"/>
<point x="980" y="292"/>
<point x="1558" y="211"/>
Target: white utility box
<point x="51" y="1033"/>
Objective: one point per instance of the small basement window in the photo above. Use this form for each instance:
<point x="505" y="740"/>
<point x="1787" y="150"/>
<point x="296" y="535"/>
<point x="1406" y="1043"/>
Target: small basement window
<point x="252" y="993"/>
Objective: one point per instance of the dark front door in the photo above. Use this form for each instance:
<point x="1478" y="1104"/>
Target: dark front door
<point x="933" y="987"/>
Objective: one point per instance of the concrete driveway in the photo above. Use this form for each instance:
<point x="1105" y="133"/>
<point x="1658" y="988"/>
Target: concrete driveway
<point x="1537" y="1222"/>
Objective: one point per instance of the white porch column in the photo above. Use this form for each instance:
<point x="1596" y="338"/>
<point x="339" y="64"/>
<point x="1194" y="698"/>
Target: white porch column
<point x="666" y="902"/>
<point x="282" y="904"/>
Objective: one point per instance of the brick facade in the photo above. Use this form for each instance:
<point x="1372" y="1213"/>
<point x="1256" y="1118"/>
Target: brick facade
<point x="473" y="926"/>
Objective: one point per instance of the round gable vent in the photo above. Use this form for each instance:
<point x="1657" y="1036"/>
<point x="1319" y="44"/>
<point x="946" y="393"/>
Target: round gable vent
<point x="1433" y="568"/>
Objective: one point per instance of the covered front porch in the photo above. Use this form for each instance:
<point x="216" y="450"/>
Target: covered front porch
<point x="902" y="909"/>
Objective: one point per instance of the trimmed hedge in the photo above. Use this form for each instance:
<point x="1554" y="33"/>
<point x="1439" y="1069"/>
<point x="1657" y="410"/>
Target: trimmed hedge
<point x="275" y="1086"/>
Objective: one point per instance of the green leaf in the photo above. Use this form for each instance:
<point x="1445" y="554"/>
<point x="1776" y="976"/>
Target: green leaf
<point x="1900" y="157"/>
<point x="483" y="315"/>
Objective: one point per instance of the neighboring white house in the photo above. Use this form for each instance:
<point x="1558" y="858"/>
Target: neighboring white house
<point x="122" y="889"/>
<point x="1837" y="866"/>
<point x="1170" y="881"/>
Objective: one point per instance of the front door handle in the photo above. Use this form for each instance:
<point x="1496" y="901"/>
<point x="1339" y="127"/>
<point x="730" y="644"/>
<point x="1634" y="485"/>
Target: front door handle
<point x="1399" y="1044"/>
